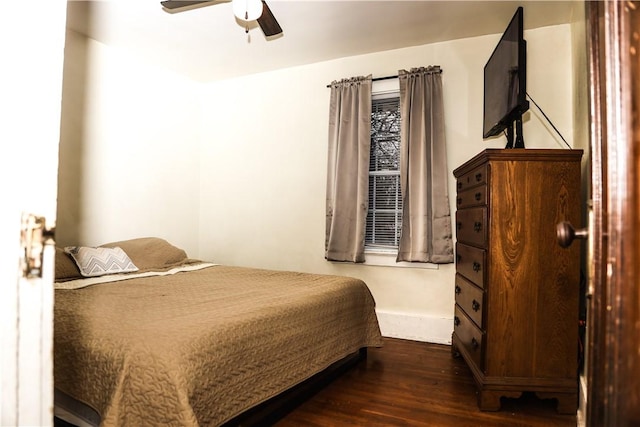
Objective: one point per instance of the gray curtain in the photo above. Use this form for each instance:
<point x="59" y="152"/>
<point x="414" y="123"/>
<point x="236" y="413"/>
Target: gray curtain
<point x="426" y="219"/>
<point x="348" y="169"/>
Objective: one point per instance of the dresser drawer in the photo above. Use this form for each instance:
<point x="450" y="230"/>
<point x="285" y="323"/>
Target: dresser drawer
<point x="469" y="335"/>
<point x="472" y="197"/>
<point x="478" y="176"/>
<point x="471" y="226"/>
<point x="471" y="262"/>
<point x="470" y="298"/>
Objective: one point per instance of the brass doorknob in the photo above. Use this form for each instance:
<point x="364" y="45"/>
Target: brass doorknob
<point x="566" y="234"/>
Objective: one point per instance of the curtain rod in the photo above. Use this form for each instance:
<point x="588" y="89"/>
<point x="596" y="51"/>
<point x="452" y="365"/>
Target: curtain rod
<point x="375" y="79"/>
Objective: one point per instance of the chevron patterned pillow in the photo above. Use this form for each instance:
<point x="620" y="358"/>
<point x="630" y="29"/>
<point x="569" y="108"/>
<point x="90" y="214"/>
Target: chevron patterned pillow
<point x="94" y="262"/>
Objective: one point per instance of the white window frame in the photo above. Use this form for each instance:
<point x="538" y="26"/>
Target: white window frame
<point x="384" y="256"/>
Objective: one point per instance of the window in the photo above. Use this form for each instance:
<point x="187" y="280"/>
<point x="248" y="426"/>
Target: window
<point x="384" y="217"/>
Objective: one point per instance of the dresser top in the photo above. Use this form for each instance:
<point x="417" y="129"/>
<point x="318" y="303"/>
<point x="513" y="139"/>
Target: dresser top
<point x="519" y="154"/>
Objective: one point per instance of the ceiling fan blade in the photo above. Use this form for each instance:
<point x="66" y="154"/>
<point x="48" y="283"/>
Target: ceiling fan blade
<point x="267" y="22"/>
<point x="178" y="4"/>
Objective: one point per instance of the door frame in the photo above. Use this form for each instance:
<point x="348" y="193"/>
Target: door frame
<point x="613" y="343"/>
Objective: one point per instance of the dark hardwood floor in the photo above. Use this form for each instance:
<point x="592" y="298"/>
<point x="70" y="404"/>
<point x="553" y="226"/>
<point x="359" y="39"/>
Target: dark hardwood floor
<point x="409" y="383"/>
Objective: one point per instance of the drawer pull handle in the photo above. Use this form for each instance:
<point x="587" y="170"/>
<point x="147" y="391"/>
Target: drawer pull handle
<point x="459" y="201"/>
<point x="476" y="267"/>
<point x="478" y="177"/>
<point x="459" y="225"/>
<point x="475" y="305"/>
<point x="477" y="226"/>
<point x="456" y="321"/>
<point x="458" y="258"/>
<point x="459" y="185"/>
<point x="458" y="290"/>
<point x="478" y="197"/>
<point x="474" y="343"/>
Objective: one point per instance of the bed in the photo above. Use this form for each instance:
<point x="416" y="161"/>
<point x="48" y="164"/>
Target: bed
<point x="168" y="340"/>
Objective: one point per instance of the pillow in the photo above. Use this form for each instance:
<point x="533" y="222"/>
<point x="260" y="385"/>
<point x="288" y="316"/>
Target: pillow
<point x="94" y="262"/>
<point x="151" y="253"/>
<point x="66" y="268"/>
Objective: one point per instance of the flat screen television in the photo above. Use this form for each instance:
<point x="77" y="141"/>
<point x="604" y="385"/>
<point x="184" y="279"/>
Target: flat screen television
<point x="505" y="84"/>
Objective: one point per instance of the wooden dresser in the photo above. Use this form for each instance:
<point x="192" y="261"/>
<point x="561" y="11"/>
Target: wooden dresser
<point x="516" y="289"/>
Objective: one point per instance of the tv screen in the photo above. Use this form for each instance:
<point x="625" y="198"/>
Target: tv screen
<point x="505" y="79"/>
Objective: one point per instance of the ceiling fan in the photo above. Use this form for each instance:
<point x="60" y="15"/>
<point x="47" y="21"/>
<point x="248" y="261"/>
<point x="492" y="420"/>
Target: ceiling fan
<point x="245" y="10"/>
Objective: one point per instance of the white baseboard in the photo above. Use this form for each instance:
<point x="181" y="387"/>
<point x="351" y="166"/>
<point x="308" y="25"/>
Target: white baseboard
<point x="414" y="327"/>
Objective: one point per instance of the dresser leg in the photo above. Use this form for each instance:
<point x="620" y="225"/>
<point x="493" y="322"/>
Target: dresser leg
<point x="567" y="402"/>
<point x="490" y="400"/>
<point x="455" y="353"/>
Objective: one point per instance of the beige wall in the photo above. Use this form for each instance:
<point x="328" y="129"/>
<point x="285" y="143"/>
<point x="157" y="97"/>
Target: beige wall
<point x="263" y="161"/>
<point x="235" y="171"/>
<point x="128" y="149"/>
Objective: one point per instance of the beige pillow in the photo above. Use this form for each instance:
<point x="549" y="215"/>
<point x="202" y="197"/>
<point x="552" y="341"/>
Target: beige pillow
<point x="66" y="268"/>
<point x="151" y="253"/>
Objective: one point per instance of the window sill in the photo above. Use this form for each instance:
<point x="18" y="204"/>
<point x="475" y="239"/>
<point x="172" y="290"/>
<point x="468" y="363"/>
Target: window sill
<point x="382" y="258"/>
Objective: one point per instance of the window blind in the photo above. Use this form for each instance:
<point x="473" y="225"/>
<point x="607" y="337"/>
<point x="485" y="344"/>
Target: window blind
<point x="384" y="217"/>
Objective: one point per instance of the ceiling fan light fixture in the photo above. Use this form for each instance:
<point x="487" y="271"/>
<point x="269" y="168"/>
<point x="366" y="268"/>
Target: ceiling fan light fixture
<point x="247" y="10"/>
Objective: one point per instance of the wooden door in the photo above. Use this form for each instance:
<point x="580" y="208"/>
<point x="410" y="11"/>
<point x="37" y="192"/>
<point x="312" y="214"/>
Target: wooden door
<point x="32" y="52"/>
<point x="613" y="339"/>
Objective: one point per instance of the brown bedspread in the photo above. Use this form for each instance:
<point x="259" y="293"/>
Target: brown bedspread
<point x="200" y="347"/>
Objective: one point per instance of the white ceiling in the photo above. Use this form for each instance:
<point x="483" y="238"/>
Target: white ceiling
<point x="207" y="43"/>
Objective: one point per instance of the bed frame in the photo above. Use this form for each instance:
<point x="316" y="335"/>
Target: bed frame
<point x="277" y="407"/>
